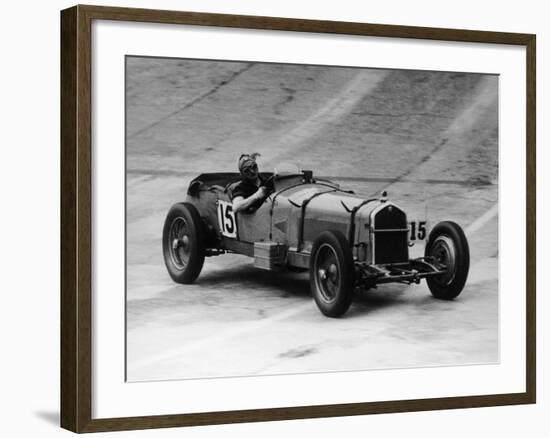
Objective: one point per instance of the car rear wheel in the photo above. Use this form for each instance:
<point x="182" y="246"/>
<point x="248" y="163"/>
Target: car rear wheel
<point x="448" y="247"/>
<point x="183" y="243"/>
<point x="332" y="273"/>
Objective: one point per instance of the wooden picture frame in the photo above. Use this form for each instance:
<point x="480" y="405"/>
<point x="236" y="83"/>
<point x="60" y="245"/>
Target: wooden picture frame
<point x="76" y="217"/>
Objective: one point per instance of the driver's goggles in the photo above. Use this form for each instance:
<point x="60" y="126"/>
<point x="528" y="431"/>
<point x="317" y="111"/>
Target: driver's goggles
<point x="251" y="169"/>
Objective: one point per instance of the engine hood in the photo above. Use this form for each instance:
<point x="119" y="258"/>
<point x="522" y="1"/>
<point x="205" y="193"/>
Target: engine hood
<point x="329" y="202"/>
<point x="304" y="211"/>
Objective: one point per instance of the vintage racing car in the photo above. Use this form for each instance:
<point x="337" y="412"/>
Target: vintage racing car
<point x="345" y="241"/>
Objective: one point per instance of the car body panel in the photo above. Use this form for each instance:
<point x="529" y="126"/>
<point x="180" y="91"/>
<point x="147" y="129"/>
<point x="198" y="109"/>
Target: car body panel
<point x="292" y="216"/>
<point x="255" y="227"/>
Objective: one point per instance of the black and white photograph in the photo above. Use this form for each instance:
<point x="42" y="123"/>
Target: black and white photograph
<point x="288" y="219"/>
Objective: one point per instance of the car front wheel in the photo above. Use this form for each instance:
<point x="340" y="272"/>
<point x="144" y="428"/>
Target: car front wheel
<point x="448" y="248"/>
<point x="332" y="273"/>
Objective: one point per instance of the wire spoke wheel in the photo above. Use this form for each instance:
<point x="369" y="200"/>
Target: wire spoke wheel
<point x="332" y="274"/>
<point x="183" y="239"/>
<point x="448" y="248"/>
<point x="327" y="274"/>
<point x="180" y="247"/>
<point x="444" y="253"/>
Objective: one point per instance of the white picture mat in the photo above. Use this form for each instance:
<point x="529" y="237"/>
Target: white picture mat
<point x="112" y="397"/>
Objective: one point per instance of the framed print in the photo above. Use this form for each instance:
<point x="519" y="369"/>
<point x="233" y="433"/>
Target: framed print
<point x="268" y="218"/>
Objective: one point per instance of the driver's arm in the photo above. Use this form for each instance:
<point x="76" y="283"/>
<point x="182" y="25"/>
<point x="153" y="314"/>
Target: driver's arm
<point x="240" y="203"/>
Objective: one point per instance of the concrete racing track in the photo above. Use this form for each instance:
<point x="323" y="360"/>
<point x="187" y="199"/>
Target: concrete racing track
<point x="429" y="138"/>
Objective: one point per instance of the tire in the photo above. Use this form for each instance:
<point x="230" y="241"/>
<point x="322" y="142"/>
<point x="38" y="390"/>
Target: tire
<point x="332" y="274"/>
<point x="183" y="239"/>
<point x="448" y="245"/>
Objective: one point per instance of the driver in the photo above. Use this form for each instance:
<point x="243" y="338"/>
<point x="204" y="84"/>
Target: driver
<point x="250" y="192"/>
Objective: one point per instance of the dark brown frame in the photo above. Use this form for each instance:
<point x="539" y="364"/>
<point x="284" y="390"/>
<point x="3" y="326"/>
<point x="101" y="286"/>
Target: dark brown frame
<point x="76" y="174"/>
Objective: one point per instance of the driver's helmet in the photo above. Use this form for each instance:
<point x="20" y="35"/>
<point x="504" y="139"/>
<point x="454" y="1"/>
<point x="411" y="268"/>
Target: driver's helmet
<point x="248" y="166"/>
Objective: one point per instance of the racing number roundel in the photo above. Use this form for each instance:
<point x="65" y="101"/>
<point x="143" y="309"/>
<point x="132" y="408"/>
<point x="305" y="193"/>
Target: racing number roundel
<point x="226" y="219"/>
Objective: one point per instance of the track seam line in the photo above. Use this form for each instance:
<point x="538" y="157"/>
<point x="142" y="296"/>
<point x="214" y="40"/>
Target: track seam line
<point x="479" y="103"/>
<point x="193" y="102"/>
<point x="482" y="220"/>
<point x="380" y="179"/>
<point x="341" y="104"/>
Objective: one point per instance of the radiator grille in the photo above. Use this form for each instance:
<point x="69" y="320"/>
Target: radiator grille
<point x="390" y="235"/>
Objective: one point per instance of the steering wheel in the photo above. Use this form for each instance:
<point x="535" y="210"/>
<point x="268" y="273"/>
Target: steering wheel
<point x="268" y="184"/>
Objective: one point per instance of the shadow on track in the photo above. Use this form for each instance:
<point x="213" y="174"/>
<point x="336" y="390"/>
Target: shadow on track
<point x="286" y="283"/>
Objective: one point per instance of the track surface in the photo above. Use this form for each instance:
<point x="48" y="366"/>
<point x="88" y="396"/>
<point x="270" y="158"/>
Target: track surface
<point x="430" y="139"/>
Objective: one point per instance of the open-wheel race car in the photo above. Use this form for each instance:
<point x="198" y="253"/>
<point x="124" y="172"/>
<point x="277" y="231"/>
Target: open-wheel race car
<point x="345" y="241"/>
